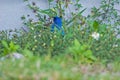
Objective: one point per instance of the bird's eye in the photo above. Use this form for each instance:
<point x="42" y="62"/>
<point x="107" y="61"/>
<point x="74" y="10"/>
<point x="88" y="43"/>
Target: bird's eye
<point x="54" y="18"/>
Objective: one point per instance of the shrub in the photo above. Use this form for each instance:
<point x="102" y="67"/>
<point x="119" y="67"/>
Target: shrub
<point x="99" y="36"/>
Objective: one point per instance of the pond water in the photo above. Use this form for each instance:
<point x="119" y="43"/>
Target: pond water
<point x="12" y="10"/>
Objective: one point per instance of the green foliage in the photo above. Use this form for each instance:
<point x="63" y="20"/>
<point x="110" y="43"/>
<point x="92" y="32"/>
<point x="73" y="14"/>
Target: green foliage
<point x="39" y="34"/>
<point x="9" y="47"/>
<point x="59" y="68"/>
<point x="104" y="47"/>
<point x="52" y="56"/>
<point x="38" y="40"/>
<point x="81" y="52"/>
<point x="97" y="26"/>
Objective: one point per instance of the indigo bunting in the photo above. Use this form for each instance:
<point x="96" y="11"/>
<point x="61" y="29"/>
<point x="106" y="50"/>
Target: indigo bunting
<point x="57" y="22"/>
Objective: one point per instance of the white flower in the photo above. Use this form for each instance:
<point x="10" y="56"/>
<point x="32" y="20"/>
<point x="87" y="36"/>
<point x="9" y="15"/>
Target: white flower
<point x="95" y="35"/>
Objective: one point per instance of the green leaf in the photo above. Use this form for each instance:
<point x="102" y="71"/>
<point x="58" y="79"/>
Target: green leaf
<point x="95" y="25"/>
<point x="102" y="28"/>
<point x="52" y="43"/>
<point x="28" y="53"/>
<point x="76" y="43"/>
<point x="13" y="47"/>
<point x="5" y="44"/>
<point x="23" y="17"/>
<point x="88" y="53"/>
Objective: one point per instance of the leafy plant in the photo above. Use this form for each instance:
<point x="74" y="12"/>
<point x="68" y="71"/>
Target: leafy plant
<point x="9" y="48"/>
<point x="37" y="38"/>
<point x="81" y="52"/>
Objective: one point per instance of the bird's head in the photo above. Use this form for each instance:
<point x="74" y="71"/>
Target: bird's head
<point x="57" y="19"/>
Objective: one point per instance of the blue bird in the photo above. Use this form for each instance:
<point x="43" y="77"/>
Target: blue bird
<point x="57" y="22"/>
